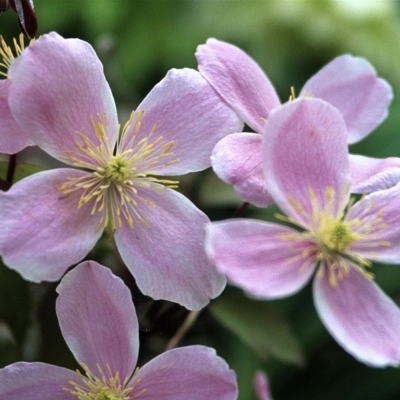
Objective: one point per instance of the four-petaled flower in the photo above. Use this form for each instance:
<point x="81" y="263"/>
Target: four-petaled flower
<point x="348" y="83"/>
<point x="306" y="166"/>
<point x="98" y="321"/>
<point x="52" y="219"/>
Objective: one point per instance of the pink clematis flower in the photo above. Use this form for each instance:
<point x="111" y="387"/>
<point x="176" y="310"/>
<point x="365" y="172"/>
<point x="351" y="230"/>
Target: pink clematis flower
<point x="12" y="138"/>
<point x="307" y="171"/>
<point x="348" y="83"/>
<point x="51" y="220"/>
<point x="98" y="321"/>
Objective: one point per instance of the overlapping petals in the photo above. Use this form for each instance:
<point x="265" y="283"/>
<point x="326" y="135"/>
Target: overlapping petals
<point x="298" y="155"/>
<point x="369" y="174"/>
<point x="99" y="323"/>
<point x="308" y="176"/>
<point x="348" y="83"/>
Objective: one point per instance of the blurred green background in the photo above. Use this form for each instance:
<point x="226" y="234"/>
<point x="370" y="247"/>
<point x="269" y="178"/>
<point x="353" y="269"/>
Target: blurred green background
<point x="139" y="41"/>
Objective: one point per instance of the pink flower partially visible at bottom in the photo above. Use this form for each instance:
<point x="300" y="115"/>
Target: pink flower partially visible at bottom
<point x="261" y="386"/>
<point x="307" y="171"/>
<point x="98" y="321"/>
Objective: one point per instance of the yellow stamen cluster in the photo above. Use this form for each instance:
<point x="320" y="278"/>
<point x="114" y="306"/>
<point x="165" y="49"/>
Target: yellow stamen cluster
<point x="107" y="387"/>
<point x="114" y="184"/>
<point x="7" y="54"/>
<point x="333" y="235"/>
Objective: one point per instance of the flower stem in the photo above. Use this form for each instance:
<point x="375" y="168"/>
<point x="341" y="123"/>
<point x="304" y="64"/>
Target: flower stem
<point x="181" y="332"/>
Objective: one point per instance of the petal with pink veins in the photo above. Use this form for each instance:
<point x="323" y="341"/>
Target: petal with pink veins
<point x="98" y="319"/>
<point x="12" y="138"/>
<point x="192" y="372"/>
<point x="186" y="112"/>
<point x="236" y="159"/>
<point x="266" y="260"/>
<point x="377" y="219"/>
<point x="239" y="80"/>
<point x="352" y="86"/>
<point x="167" y="256"/>
<point x="370" y="174"/>
<point x="305" y="149"/>
<point x="43" y="231"/>
<point x="360" y="317"/>
<point x="69" y="89"/>
<point x="35" y="381"/>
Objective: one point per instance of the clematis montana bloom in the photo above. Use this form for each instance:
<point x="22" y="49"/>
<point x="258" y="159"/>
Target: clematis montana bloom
<point x="52" y="219"/>
<point x="98" y="321"/>
<point x="12" y="138"/>
<point x="307" y="171"/>
<point x="348" y="83"/>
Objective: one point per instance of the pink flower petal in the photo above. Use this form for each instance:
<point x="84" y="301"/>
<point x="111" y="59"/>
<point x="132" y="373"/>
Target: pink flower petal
<point x="371" y="174"/>
<point x="351" y="85"/>
<point x="192" y="372"/>
<point x="260" y="257"/>
<point x="35" y="381"/>
<point x="43" y="233"/>
<point x="378" y="222"/>
<point x="261" y="386"/>
<point x="98" y="319"/>
<point x="361" y="318"/>
<point x="185" y="111"/>
<point x="12" y="137"/>
<point x="236" y="159"/>
<point x="304" y="149"/>
<point x="167" y="258"/>
<point x="239" y="80"/>
<point x="58" y="86"/>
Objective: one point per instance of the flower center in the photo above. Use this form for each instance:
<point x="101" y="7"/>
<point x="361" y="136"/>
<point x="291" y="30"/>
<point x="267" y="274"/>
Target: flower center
<point x="118" y="169"/>
<point x="330" y="235"/>
<point x="107" y="387"/>
<point x="335" y="235"/>
<point x="117" y="183"/>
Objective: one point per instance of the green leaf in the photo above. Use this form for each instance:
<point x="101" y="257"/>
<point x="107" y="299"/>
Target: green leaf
<point x="259" y="326"/>
<point x="21" y="170"/>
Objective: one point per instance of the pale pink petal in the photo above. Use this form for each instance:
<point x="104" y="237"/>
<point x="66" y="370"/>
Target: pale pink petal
<point x="239" y="80"/>
<point x="304" y="150"/>
<point x="167" y="257"/>
<point x="192" y="372"/>
<point x="35" y="381"/>
<point x="352" y="86"/>
<point x="43" y="232"/>
<point x="370" y="174"/>
<point x="377" y="220"/>
<point x="261" y="386"/>
<point x="58" y="86"/>
<point x="266" y="260"/>
<point x="98" y="319"/>
<point x="236" y="159"/>
<point x="360" y="317"/>
<point x="186" y="112"/>
<point x="12" y="137"/>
